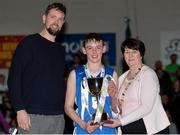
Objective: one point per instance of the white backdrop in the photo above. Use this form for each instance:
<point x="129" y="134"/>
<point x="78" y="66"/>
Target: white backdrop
<point x="170" y="43"/>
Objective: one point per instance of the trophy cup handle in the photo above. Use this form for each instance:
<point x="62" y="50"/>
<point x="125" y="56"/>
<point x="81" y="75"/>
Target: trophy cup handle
<point x="110" y="78"/>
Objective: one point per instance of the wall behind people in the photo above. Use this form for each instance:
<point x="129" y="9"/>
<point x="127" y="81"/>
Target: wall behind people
<point x="148" y="19"/>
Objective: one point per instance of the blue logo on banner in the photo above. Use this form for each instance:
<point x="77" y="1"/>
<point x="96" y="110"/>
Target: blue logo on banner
<point x="74" y="42"/>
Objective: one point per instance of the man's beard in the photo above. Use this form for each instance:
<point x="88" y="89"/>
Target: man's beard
<point x="52" y="32"/>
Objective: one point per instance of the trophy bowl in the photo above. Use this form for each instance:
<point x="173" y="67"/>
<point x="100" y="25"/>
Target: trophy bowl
<point x="95" y="85"/>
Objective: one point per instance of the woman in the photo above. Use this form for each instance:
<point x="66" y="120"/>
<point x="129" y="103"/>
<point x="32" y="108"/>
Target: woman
<point x="139" y="103"/>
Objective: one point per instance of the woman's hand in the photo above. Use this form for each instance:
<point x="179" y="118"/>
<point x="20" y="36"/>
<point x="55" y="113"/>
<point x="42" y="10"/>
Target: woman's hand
<point x="89" y="127"/>
<point x="113" y="124"/>
<point x="112" y="89"/>
<point x="113" y="93"/>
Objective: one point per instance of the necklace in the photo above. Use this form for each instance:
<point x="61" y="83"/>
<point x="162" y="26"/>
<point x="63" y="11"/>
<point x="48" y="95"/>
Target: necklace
<point x="90" y="75"/>
<point x="130" y="79"/>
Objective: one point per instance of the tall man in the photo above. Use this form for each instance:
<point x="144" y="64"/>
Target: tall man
<point x="36" y="80"/>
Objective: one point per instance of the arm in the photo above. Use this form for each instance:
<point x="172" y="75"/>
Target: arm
<point x="15" y="79"/>
<point x="112" y="90"/>
<point x="69" y="104"/>
<point x="70" y="98"/>
<point x="21" y="56"/>
<point x="21" y="61"/>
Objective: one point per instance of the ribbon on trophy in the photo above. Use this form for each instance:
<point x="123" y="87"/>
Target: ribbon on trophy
<point x="84" y="97"/>
<point x="104" y="94"/>
<point x="102" y="100"/>
<point x="85" y="90"/>
<point x="85" y="94"/>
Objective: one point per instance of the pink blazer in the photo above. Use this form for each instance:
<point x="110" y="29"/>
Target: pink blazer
<point x="150" y="108"/>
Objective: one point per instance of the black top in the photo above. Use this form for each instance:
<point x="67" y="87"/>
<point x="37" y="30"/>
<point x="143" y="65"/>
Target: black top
<point x="36" y="77"/>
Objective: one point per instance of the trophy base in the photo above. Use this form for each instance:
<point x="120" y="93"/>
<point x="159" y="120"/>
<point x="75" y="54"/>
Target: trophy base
<point x="93" y="124"/>
<point x="104" y="119"/>
<point x="102" y="122"/>
<point x="107" y="122"/>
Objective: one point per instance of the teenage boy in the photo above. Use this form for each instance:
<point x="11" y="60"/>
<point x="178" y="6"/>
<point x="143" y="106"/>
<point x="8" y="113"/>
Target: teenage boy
<point x="78" y="90"/>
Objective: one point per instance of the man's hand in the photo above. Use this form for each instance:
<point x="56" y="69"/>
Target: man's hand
<point x="23" y="120"/>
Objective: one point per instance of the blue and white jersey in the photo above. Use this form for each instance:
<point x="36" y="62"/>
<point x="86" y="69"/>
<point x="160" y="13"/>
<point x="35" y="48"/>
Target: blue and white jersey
<point x="85" y="112"/>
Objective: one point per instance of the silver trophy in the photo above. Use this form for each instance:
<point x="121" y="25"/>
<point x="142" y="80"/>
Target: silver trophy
<point x="95" y="85"/>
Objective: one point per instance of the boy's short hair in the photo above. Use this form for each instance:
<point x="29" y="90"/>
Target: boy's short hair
<point x="93" y="37"/>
